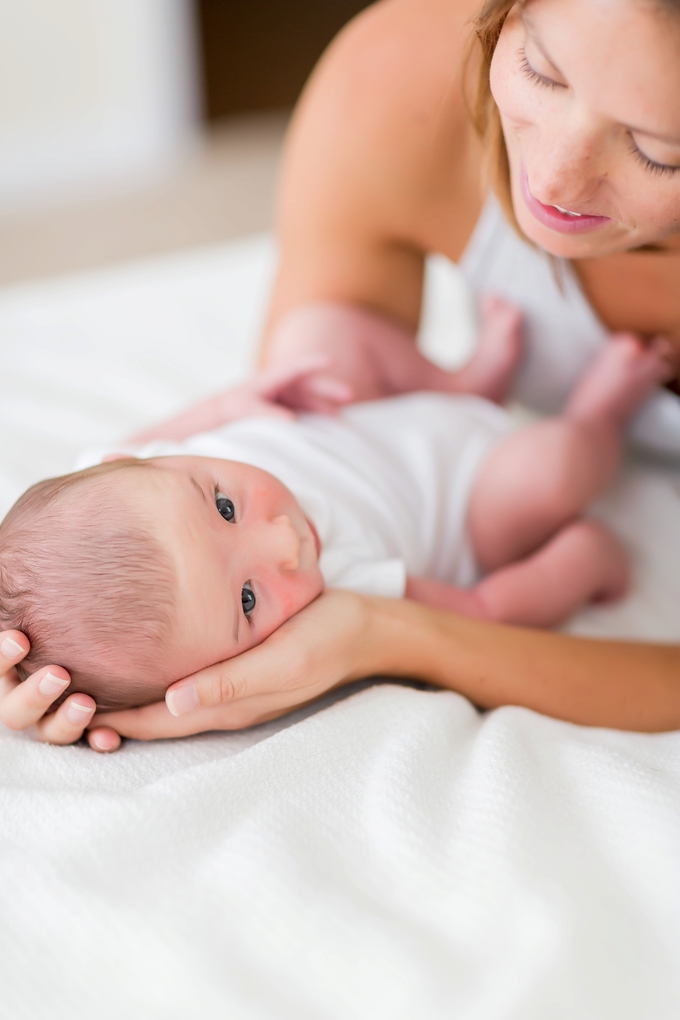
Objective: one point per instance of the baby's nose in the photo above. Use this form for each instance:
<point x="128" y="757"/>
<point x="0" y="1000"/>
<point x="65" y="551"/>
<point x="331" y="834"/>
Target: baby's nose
<point x="285" y="543"/>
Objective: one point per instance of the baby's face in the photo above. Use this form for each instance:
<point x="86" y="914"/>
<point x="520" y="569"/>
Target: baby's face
<point x="246" y="555"/>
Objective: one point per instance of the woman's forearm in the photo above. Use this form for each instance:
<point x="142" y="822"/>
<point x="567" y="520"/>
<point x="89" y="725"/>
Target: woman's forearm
<point x="619" y="684"/>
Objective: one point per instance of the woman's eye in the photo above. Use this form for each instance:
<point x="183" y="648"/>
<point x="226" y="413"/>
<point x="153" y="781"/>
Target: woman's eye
<point x="248" y="600"/>
<point x="225" y="507"/>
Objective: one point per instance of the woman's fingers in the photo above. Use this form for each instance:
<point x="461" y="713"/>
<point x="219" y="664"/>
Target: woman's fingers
<point x="26" y="702"/>
<point x="68" y="723"/>
<point x="321" y="647"/>
<point x="103" y="739"/>
<point x="154" y="722"/>
<point x="315" y="650"/>
<point x="14" y="646"/>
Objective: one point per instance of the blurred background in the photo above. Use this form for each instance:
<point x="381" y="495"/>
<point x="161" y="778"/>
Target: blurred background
<point x="132" y="127"/>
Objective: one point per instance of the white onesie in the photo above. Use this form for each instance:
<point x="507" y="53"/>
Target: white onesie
<point x="386" y="483"/>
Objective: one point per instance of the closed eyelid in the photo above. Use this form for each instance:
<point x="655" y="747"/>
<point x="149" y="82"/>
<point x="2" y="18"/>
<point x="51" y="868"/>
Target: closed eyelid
<point x="651" y="164"/>
<point x="534" y="75"/>
<point x="531" y="32"/>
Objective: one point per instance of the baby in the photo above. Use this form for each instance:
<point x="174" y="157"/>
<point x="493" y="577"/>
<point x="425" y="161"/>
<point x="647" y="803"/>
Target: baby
<point x="137" y="572"/>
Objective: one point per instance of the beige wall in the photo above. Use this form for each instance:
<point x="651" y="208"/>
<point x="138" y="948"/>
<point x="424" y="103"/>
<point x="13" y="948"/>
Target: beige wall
<point x="92" y="94"/>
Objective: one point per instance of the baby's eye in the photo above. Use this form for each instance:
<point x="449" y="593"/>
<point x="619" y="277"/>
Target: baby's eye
<point x="224" y="506"/>
<point x="248" y="599"/>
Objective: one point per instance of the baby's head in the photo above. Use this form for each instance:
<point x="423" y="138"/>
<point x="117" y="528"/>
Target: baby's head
<point x="135" y="573"/>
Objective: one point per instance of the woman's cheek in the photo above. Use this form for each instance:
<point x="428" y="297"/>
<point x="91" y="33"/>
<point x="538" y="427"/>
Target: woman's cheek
<point x="645" y="202"/>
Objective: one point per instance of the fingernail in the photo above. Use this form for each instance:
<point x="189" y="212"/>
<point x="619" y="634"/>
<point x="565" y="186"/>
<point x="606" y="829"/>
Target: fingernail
<point x="184" y="699"/>
<point x="77" y="714"/>
<point x="10" y="649"/>
<point x="52" y="685"/>
<point x="105" y="741"/>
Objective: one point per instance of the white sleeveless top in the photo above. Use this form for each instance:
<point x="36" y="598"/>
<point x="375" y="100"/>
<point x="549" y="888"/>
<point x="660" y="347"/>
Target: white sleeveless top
<point x="561" y="329"/>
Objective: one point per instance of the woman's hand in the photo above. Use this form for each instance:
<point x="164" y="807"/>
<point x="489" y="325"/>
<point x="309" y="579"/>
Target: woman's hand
<point x="27" y="704"/>
<point x="327" y="644"/>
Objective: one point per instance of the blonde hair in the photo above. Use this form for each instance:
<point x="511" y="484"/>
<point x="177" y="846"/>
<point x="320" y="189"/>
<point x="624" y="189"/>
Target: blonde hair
<point x="488" y="26"/>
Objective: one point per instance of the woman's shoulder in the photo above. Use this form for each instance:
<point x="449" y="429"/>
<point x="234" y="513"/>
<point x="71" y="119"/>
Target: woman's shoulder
<point x="385" y="109"/>
<point x="422" y="40"/>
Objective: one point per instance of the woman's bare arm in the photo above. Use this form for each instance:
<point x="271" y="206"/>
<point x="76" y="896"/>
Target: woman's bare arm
<point x="620" y="684"/>
<point x="381" y="164"/>
<point x="343" y="636"/>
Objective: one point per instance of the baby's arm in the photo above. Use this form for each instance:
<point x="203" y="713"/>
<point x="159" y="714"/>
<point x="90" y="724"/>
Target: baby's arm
<point x="583" y="563"/>
<point x="324" y="356"/>
<point x="377" y="357"/>
<point x="272" y="393"/>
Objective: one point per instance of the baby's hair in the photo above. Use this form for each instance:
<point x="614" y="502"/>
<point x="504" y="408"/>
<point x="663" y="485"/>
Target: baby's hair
<point x="89" y="585"/>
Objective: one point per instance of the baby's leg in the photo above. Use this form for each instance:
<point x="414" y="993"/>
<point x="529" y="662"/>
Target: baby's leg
<point x="491" y="369"/>
<point x="542" y="477"/>
<point x="583" y="563"/>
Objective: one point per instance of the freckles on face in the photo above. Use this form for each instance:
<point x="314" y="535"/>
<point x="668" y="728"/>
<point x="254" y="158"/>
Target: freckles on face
<point x="589" y="99"/>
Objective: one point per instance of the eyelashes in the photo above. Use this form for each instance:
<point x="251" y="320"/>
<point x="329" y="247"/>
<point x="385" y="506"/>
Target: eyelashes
<point x="226" y="510"/>
<point x="534" y="76"/>
<point x="660" y="169"/>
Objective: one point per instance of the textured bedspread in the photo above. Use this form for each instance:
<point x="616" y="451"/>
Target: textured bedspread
<point x="390" y="853"/>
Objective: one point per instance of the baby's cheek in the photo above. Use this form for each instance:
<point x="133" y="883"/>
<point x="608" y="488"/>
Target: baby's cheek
<point x="294" y="597"/>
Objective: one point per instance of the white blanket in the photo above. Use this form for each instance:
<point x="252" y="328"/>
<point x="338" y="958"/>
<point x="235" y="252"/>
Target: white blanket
<point x="390" y="853"/>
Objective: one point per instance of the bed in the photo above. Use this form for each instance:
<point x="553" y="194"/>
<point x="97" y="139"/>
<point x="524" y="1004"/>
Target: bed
<point x="389" y="852"/>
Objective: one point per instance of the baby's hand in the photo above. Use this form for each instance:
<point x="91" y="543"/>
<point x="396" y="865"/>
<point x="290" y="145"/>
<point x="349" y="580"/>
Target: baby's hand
<point x="24" y="705"/>
<point x="305" y="385"/>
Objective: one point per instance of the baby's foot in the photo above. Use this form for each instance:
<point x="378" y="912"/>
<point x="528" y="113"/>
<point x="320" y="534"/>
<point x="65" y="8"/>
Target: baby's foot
<point x="492" y="368"/>
<point x="622" y="376"/>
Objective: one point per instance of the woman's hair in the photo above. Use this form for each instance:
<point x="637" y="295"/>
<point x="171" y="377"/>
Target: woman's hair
<point x="485" y="116"/>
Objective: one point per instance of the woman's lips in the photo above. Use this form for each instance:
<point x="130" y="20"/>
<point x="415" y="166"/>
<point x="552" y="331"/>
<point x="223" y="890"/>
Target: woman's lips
<point x="563" y="222"/>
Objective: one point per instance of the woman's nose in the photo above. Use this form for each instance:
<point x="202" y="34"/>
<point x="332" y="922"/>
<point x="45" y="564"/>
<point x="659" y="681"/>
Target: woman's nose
<point x="283" y="543"/>
<point x="563" y="167"/>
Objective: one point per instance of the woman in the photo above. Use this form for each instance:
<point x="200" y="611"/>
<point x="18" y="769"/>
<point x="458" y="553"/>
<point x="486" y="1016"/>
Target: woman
<point x="579" y="113"/>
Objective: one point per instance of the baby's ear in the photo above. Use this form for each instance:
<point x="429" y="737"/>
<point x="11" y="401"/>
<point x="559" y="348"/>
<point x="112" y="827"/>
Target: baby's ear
<point x="116" y="456"/>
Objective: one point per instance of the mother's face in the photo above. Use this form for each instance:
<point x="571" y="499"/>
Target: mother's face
<point x="589" y="97"/>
